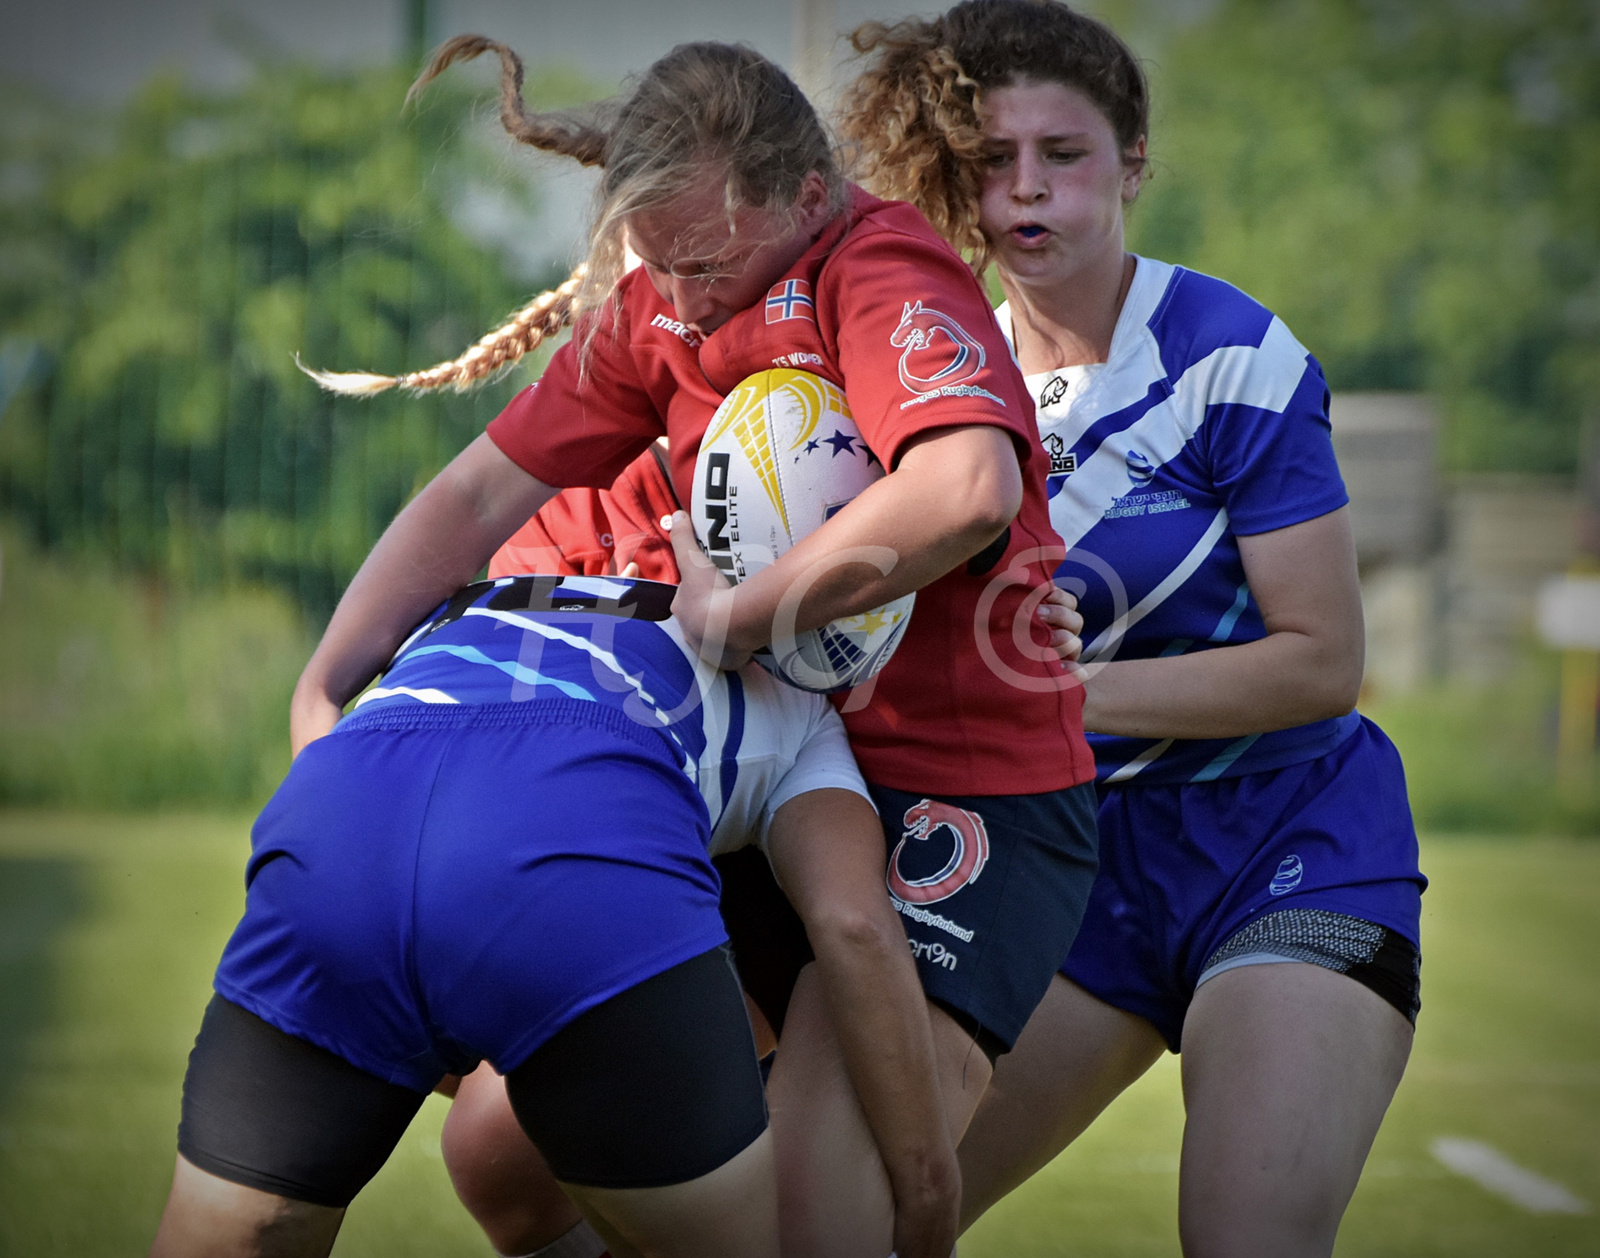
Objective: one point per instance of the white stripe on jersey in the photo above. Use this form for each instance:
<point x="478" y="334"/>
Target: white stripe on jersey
<point x="782" y="741"/>
<point x="711" y="701"/>
<point x="1264" y="376"/>
<point x="426" y="694"/>
<point x="1228" y="375"/>
<point x="710" y="698"/>
<point x="1140" y="762"/>
<point x="716" y="723"/>
<point x="1111" y="636"/>
<point x="599" y="654"/>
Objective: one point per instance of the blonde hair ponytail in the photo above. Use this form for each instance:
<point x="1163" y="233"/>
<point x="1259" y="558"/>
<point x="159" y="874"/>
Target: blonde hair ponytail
<point x="570" y="134"/>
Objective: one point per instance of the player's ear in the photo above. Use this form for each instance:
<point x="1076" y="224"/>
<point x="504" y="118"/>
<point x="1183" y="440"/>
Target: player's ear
<point x="1135" y="168"/>
<point x="812" y="205"/>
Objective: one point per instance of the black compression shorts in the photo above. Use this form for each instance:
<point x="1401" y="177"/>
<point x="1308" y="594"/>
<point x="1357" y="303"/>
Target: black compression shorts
<point x="659" y="1085"/>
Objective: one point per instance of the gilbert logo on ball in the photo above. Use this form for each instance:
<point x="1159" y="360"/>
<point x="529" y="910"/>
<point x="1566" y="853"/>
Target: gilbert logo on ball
<point x="780" y="457"/>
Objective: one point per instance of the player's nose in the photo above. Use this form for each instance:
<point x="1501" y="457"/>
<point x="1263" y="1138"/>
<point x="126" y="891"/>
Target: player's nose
<point x="693" y="305"/>
<point x="1028" y="181"/>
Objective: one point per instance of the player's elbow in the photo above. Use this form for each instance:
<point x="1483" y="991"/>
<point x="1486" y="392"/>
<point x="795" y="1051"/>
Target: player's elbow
<point x="997" y="503"/>
<point x="1334" y="685"/>
<point x="987" y="498"/>
<point x="970" y="476"/>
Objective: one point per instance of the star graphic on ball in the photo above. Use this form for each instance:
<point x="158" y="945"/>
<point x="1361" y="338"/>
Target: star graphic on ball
<point x="841" y="443"/>
<point x="812" y="445"/>
<point x="874" y="620"/>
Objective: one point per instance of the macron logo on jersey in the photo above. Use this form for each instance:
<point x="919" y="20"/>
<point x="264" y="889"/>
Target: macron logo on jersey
<point x="791" y="300"/>
<point x="682" y="331"/>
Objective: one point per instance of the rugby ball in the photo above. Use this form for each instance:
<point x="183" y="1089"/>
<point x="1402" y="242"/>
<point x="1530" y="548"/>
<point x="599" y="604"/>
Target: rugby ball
<point x="781" y="456"/>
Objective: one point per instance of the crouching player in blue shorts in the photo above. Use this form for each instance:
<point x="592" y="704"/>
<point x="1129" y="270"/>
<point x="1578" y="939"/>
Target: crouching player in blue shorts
<point x="503" y="853"/>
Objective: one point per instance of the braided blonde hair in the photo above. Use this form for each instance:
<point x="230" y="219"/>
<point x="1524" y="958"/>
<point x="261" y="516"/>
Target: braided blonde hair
<point x="492" y="355"/>
<point x="702" y="109"/>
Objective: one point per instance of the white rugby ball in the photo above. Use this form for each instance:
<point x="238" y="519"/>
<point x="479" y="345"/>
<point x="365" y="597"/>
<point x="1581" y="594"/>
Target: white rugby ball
<point x="780" y="456"/>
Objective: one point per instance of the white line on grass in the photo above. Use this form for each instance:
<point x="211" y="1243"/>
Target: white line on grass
<point x="1493" y="1170"/>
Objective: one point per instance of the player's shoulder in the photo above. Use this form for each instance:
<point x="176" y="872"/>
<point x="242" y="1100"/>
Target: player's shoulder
<point x="778" y="718"/>
<point x="1193" y="315"/>
<point x="887" y="232"/>
<point x="768" y="696"/>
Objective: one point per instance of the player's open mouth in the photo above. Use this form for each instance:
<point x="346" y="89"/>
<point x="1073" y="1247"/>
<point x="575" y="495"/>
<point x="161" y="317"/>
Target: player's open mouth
<point x="1030" y="233"/>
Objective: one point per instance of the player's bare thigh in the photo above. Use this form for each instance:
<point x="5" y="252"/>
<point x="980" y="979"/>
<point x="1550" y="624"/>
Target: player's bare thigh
<point x="1072" y="1059"/>
<point x="1288" y="1070"/>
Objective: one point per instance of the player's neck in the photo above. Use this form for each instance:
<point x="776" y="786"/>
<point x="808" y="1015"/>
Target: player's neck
<point x="1067" y="323"/>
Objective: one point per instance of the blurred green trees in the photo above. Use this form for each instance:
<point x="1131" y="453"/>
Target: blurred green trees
<point x="1413" y="185"/>
<point x="163" y="267"/>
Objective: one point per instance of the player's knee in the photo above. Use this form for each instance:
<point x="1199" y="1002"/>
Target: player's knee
<point x="1295" y="1216"/>
<point x="1283" y="1237"/>
<point x="497" y="1173"/>
<point x="208" y="1217"/>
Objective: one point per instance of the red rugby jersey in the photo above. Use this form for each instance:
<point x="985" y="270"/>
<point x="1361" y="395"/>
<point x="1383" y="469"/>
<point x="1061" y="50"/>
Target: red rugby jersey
<point x="971" y="703"/>
<point x="599" y="532"/>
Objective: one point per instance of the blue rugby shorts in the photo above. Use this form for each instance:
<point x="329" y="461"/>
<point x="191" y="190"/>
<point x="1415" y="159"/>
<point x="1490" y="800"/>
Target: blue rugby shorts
<point x="1183" y="868"/>
<point x="434" y="885"/>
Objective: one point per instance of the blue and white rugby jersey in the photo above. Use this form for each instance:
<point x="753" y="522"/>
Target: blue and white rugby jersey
<point x="750" y="742"/>
<point x="1207" y="422"/>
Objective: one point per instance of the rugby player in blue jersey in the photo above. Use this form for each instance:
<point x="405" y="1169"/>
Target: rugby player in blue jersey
<point x="503" y="853"/>
<point x="1259" y="896"/>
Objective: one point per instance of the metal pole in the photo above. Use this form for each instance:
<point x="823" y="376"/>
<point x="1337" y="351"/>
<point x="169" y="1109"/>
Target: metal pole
<point x="1580" y="669"/>
<point x="811" y="55"/>
<point x="416" y="32"/>
<point x="1580" y="695"/>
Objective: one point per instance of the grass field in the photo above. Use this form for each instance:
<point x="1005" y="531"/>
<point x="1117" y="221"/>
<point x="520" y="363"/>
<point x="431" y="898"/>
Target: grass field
<point x="109" y="928"/>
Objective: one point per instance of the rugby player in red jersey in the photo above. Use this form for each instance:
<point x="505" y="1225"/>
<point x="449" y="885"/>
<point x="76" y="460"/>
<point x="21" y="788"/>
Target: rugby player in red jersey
<point x="756" y="254"/>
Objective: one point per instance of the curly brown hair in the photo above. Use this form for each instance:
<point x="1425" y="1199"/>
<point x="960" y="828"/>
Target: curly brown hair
<point x="912" y="117"/>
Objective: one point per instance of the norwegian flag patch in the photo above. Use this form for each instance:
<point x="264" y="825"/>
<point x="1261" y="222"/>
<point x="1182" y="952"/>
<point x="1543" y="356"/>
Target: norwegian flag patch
<point x="790" y="300"/>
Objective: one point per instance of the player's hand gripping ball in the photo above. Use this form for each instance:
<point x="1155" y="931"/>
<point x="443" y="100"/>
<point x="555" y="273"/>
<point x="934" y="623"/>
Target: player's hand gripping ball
<point x="780" y="457"/>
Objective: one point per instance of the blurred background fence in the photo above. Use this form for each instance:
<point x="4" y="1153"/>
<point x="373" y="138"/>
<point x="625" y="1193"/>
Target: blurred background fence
<point x="1413" y="185"/>
<point x="162" y="277"/>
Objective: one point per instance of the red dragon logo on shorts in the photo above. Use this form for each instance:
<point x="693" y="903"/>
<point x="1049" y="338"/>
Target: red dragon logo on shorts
<point x="966" y="861"/>
<point x="918" y="333"/>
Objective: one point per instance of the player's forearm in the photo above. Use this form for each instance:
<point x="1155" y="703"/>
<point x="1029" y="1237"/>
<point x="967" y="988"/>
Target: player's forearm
<point x="1282" y="680"/>
<point x="880" y="1016"/>
<point x="827" y="852"/>
<point x="952" y="494"/>
<point x="434" y="546"/>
